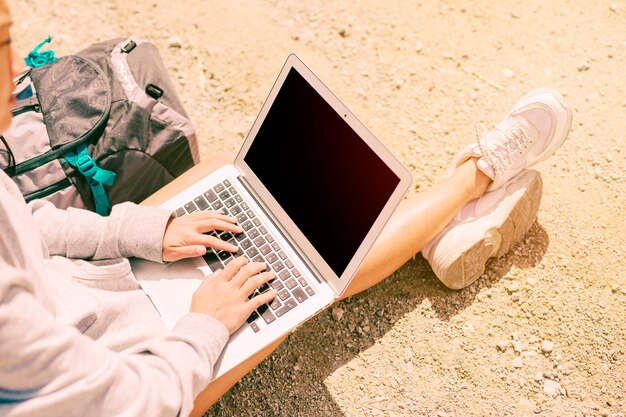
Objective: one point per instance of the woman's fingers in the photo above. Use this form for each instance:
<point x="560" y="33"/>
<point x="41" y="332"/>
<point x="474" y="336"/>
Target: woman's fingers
<point x="259" y="300"/>
<point x="208" y="225"/>
<point x="213" y="242"/>
<point x="233" y="267"/>
<point x="256" y="281"/>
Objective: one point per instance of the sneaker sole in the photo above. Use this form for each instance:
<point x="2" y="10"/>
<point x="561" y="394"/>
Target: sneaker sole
<point x="469" y="265"/>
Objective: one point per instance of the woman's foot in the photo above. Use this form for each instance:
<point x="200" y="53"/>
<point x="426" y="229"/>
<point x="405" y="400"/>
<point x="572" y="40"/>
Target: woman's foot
<point x="535" y="128"/>
<point x="486" y="227"/>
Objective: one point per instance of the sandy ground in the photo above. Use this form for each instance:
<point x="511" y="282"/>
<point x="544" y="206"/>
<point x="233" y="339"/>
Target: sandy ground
<point x="543" y="331"/>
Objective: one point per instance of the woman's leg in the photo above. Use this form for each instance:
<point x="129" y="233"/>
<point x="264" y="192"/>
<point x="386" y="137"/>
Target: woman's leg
<point x="414" y="223"/>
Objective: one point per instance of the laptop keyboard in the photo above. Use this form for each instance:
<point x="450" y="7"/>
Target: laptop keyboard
<point x="256" y="244"/>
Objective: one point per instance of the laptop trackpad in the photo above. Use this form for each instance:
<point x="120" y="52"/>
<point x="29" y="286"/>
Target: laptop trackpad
<point x="171" y="286"/>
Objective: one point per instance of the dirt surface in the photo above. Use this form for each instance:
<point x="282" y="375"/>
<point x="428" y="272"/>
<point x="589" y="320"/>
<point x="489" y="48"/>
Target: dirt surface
<point x="543" y="331"/>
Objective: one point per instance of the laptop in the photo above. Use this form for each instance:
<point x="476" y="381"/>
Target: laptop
<point x="312" y="188"/>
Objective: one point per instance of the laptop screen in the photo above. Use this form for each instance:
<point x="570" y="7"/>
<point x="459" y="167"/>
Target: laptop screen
<point x="328" y="180"/>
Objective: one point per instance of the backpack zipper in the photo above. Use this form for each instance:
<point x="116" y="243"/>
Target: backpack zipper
<point x="51" y="189"/>
<point x="56" y="153"/>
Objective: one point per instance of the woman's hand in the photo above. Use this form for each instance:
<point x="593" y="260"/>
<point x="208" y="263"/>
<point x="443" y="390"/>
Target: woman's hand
<point x="184" y="236"/>
<point x="224" y="294"/>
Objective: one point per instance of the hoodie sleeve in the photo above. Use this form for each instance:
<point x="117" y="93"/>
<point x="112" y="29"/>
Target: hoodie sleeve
<point x="130" y="230"/>
<point x="48" y="368"/>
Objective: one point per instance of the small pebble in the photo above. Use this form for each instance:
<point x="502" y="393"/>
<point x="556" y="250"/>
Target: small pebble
<point x="551" y="387"/>
<point x="547" y="346"/>
<point x="337" y="313"/>
<point x="175" y="42"/>
<point x="517" y="362"/>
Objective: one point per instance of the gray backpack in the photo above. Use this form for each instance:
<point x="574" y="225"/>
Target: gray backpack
<point x="100" y="127"/>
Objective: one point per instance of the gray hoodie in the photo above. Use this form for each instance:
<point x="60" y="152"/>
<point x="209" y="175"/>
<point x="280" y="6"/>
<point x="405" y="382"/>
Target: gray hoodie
<point x="80" y="338"/>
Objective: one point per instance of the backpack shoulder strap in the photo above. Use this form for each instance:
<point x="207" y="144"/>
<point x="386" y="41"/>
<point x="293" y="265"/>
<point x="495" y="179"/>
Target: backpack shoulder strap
<point x="96" y="177"/>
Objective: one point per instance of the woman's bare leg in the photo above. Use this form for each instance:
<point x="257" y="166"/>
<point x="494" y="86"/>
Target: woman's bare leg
<point x="415" y="222"/>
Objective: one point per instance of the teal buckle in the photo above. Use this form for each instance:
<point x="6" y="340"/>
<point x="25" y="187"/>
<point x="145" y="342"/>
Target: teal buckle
<point x="95" y="176"/>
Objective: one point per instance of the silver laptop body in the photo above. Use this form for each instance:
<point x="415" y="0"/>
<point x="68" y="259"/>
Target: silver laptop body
<point x="312" y="187"/>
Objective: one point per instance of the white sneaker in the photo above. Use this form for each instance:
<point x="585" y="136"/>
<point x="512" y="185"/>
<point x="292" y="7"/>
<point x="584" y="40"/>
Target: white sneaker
<point x="486" y="227"/>
<point x="535" y="128"/>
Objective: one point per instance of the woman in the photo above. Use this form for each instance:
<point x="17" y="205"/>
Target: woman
<point x="81" y="338"/>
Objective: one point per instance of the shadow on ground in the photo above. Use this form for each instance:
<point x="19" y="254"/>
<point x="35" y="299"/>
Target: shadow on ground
<point x="322" y="345"/>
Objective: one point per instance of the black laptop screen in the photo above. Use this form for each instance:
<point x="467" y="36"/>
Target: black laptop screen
<point x="330" y="183"/>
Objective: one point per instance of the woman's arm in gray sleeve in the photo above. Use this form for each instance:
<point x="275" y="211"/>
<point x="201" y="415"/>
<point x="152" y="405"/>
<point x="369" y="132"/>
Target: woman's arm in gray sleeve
<point x="48" y="368"/>
<point x="130" y="230"/>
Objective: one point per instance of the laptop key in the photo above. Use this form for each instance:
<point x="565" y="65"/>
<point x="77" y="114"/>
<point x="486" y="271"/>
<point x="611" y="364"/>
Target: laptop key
<point x="291" y="283"/>
<point x="226" y="183"/>
<point x="201" y="202"/>
<point x="235" y="210"/>
<point x="255" y="327"/>
<point x="282" y="255"/>
<point x="224" y="195"/>
<point x="212" y="259"/>
<point x="232" y="190"/>
<point x="284" y="274"/>
<point x="265" y="312"/>
<point x="252" y="252"/>
<point x="283" y="294"/>
<point x="275" y="304"/>
<point x="299" y="294"/>
<point x="289" y="263"/>
<point x="190" y="207"/>
<point x="310" y="290"/>
<point x="246" y="244"/>
<point x="258" y="258"/>
<point x="276" y="246"/>
<point x="210" y="196"/>
<point x="253" y="233"/>
<point x="218" y="205"/>
<point x="278" y="266"/>
<point x="230" y="202"/>
<point x="250" y="213"/>
<point x="224" y="255"/>
<point x="296" y="273"/>
<point x="246" y="225"/>
<point x="238" y="198"/>
<point x="180" y="212"/>
<point x="252" y="317"/>
<point x="240" y="236"/>
<point x="259" y="241"/>
<point x="272" y="257"/>
<point x="263" y="288"/>
<point x="288" y="305"/>
<point x="265" y="249"/>
<point x="226" y="236"/>
<point x="302" y="281"/>
<point x="277" y="285"/>
<point x="219" y="188"/>
<point x="256" y="222"/>
<point x="269" y="238"/>
<point x="244" y="206"/>
<point x="242" y="218"/>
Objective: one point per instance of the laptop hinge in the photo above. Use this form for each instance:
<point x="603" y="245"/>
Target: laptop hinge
<point x="278" y="227"/>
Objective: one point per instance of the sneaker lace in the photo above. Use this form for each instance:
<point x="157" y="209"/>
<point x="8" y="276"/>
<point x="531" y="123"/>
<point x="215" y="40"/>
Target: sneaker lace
<point x="498" y="153"/>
